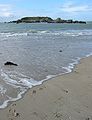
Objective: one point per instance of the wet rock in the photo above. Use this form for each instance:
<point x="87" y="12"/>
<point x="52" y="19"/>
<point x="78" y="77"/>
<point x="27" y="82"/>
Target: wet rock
<point x="10" y="63"/>
<point x="60" y="51"/>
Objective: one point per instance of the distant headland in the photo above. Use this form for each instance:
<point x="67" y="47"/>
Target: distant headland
<point x="45" y="20"/>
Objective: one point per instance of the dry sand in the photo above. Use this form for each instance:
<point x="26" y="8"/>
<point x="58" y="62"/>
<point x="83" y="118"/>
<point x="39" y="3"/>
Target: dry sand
<point x="66" y="97"/>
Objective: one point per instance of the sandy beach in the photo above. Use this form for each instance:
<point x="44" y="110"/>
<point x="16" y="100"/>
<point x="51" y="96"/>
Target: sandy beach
<point x="66" y="97"/>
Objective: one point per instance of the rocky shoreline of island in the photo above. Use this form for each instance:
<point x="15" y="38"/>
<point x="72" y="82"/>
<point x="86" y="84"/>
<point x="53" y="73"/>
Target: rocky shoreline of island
<point x="45" y="20"/>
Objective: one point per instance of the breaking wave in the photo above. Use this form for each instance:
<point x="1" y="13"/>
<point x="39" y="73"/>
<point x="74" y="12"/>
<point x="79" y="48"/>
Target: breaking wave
<point x="42" y="32"/>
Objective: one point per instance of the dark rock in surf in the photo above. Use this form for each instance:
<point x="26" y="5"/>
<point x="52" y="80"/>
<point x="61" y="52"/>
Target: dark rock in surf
<point x="60" y="51"/>
<point x="10" y="63"/>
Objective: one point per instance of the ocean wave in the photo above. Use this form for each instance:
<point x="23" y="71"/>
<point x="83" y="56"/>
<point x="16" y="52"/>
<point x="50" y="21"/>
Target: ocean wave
<point x="12" y="34"/>
<point x="18" y="80"/>
<point x="63" y="33"/>
<point x="38" y="31"/>
<point x="72" y="33"/>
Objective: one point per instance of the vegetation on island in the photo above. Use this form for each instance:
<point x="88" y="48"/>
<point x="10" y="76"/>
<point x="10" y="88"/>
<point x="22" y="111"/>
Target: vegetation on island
<point x="44" y="20"/>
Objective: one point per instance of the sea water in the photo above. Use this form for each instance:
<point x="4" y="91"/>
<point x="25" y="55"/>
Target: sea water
<point x="42" y="51"/>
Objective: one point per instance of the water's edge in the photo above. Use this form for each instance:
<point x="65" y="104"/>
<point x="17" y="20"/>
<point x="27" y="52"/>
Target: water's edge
<point x="69" y="69"/>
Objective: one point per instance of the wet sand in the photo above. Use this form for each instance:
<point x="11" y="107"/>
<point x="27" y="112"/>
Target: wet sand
<point x="66" y="97"/>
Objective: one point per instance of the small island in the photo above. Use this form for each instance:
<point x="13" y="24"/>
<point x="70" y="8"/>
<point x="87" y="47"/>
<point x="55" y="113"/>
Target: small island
<point x="45" y="20"/>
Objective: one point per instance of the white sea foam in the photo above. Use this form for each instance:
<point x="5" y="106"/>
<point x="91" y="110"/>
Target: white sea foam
<point x="5" y="103"/>
<point x="22" y="80"/>
<point x="71" y="66"/>
<point x="2" y="89"/>
<point x="89" y="55"/>
<point x="12" y="34"/>
<point x="7" y="78"/>
<point x="38" y="32"/>
<point x="74" y="33"/>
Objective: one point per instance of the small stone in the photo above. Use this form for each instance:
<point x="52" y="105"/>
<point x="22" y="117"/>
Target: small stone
<point x="60" y="51"/>
<point x="66" y="91"/>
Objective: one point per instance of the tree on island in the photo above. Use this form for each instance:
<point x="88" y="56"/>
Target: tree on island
<point x="58" y="20"/>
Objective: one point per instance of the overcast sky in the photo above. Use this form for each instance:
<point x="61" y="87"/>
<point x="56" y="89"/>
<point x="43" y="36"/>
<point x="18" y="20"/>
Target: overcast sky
<point x="66" y="9"/>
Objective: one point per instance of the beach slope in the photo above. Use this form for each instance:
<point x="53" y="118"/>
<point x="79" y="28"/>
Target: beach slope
<point x="66" y="97"/>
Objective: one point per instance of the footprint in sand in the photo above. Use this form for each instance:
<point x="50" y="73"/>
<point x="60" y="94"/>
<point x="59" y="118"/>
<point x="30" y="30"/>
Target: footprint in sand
<point x="13" y="114"/>
<point x="34" y="91"/>
<point x="59" y="101"/>
<point x="41" y="88"/>
<point x="89" y="118"/>
<point x="59" y="115"/>
<point x="39" y="116"/>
